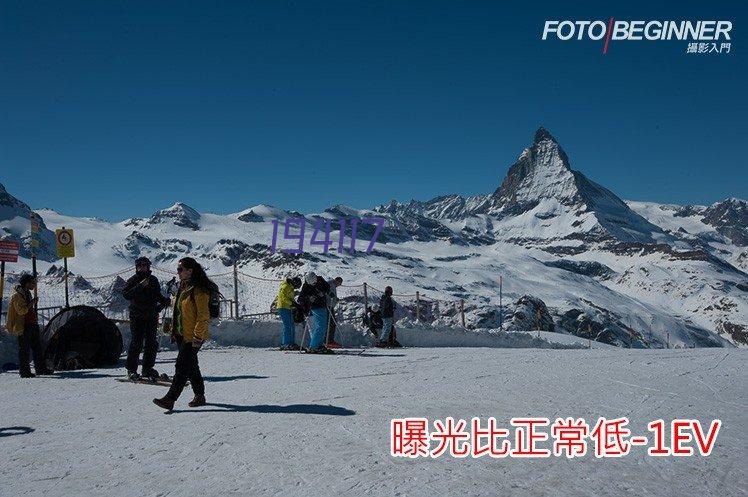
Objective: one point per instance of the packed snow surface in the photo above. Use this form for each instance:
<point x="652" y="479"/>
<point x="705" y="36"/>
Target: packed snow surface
<point x="293" y="424"/>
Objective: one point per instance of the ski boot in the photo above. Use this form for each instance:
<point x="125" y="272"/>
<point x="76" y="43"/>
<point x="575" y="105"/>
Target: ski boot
<point x="333" y="345"/>
<point x="198" y="401"/>
<point x="151" y="375"/>
<point x="134" y="376"/>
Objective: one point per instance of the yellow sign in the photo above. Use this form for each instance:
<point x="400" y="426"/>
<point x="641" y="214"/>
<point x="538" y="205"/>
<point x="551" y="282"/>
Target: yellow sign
<point x="65" y="243"/>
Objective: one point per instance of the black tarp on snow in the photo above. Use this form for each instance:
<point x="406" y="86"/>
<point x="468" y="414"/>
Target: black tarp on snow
<point x="80" y="337"/>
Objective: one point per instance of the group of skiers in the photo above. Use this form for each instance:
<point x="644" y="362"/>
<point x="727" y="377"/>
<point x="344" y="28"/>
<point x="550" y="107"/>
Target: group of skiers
<point x="194" y="303"/>
<point x="317" y="299"/>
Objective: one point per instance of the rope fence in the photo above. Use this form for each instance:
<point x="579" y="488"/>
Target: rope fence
<point x="244" y="296"/>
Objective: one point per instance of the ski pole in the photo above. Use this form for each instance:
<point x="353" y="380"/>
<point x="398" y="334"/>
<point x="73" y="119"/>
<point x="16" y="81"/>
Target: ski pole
<point x="303" y="335"/>
<point x="327" y="331"/>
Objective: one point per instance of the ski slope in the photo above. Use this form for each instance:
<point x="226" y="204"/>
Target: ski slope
<point x="292" y="424"/>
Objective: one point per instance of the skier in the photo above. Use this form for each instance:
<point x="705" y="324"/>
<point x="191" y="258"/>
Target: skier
<point x="313" y="297"/>
<point x="22" y="322"/>
<point x="191" y="315"/>
<point x="387" y="305"/>
<point x="146" y="301"/>
<point x="332" y="300"/>
<point x="284" y="303"/>
<point x="373" y="319"/>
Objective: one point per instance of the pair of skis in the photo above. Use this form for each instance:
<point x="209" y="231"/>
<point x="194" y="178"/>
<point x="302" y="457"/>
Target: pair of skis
<point x="162" y="380"/>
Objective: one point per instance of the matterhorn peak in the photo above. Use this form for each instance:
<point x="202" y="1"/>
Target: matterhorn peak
<point x="542" y="171"/>
<point x="542" y="134"/>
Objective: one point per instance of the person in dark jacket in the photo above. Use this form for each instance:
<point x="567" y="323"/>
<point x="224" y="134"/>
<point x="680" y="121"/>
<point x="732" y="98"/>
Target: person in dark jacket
<point x="146" y="301"/>
<point x="387" y="307"/>
<point x="313" y="297"/>
<point x="332" y="301"/>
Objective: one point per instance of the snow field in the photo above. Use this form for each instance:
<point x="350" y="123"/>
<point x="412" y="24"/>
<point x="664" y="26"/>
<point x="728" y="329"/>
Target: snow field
<point x="293" y="424"/>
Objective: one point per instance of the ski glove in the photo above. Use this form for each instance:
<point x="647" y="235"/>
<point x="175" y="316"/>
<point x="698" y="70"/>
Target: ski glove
<point x="197" y="343"/>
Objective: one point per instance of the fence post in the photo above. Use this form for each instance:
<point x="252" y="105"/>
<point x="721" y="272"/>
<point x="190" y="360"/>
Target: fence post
<point x="462" y="311"/>
<point x="36" y="283"/>
<point x="538" y="321"/>
<point x="501" y="302"/>
<point x="2" y="286"/>
<point x="589" y="335"/>
<point x="236" y="292"/>
<point x="418" y="306"/>
<point x="366" y="298"/>
<point x="67" y="300"/>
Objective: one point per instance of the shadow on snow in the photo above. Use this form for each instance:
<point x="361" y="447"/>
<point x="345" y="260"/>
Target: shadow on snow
<point x="9" y="431"/>
<point x="274" y="409"/>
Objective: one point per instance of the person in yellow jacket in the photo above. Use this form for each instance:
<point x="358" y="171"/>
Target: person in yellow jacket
<point x="22" y="322"/>
<point x="284" y="304"/>
<point x="190" y="318"/>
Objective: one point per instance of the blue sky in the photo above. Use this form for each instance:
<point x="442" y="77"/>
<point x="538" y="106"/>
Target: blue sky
<point x="116" y="109"/>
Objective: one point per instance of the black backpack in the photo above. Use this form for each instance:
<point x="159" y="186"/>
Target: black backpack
<point x="214" y="302"/>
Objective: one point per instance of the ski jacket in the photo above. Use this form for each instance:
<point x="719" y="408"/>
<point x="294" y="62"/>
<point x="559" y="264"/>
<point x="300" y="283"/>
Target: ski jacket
<point x="387" y="306"/>
<point x="20" y="305"/>
<point x="193" y="313"/>
<point x="284" y="300"/>
<point x="146" y="301"/>
<point x="314" y="296"/>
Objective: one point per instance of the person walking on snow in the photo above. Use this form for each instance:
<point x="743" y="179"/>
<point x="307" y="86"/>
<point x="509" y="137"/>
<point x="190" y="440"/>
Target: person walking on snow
<point x="22" y="322"/>
<point x="146" y="301"/>
<point x="332" y="300"/>
<point x="387" y="306"/>
<point x="191" y="315"/>
<point x="313" y="296"/>
<point x="284" y="303"/>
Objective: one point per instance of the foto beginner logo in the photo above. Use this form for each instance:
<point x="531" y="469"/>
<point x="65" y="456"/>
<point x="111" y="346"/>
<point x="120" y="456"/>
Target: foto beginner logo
<point x="698" y="33"/>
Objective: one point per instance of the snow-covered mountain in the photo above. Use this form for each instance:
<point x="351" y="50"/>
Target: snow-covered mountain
<point x="15" y="225"/>
<point x="573" y="256"/>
